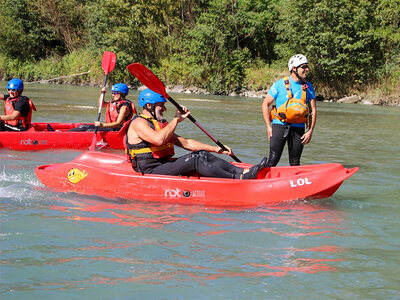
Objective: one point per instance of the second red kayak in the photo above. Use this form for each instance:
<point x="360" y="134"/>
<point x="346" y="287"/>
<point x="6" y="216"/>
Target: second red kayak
<point x="111" y="176"/>
<point x="43" y="136"/>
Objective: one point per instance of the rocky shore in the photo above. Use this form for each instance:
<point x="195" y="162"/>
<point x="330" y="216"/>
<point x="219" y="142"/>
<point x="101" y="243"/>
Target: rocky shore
<point x="391" y="100"/>
<point x="367" y="99"/>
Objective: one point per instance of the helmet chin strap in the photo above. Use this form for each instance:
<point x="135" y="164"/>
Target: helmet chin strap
<point x="152" y="110"/>
<point x="298" y="76"/>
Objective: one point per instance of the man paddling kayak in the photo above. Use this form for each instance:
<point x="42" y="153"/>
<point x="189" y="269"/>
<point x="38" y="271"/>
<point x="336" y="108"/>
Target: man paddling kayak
<point x="150" y="141"/>
<point x="118" y="111"/>
<point x="18" y="109"/>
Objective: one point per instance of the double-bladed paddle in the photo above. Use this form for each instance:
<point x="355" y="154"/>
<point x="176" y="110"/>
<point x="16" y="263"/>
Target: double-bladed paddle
<point x="108" y="64"/>
<point x="149" y="79"/>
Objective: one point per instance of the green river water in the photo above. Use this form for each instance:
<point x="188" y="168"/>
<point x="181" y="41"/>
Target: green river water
<point x="69" y="246"/>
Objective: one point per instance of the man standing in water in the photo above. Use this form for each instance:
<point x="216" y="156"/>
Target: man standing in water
<point x="295" y="107"/>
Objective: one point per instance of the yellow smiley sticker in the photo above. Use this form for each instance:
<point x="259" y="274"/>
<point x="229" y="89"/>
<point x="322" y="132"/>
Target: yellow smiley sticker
<point x="76" y="175"/>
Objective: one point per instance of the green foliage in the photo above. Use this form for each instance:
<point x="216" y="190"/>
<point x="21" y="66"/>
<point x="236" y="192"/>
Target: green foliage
<point x="134" y="30"/>
<point x="261" y="76"/>
<point x="224" y="39"/>
<point x="30" y="30"/>
<point x="336" y="36"/>
<point x="79" y="61"/>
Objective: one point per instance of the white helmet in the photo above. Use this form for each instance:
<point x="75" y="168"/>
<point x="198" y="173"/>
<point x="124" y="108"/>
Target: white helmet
<point x="296" y="61"/>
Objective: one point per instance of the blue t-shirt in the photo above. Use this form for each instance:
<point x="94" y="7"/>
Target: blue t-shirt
<point x="279" y="93"/>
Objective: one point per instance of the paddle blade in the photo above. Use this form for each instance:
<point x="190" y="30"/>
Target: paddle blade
<point x="147" y="78"/>
<point x="108" y="61"/>
<point x="92" y="146"/>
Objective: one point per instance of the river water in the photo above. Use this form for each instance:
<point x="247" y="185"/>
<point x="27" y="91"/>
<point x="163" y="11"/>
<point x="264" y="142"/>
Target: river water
<point x="71" y="246"/>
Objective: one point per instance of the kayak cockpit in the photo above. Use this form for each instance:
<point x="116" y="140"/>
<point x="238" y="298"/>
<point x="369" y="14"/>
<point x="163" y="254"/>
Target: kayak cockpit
<point x="48" y="127"/>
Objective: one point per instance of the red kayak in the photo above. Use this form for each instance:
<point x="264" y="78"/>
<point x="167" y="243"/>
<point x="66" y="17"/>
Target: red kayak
<point x="42" y="136"/>
<point x="110" y="175"/>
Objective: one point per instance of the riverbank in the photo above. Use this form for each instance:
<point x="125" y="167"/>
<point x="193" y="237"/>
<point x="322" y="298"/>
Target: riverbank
<point x="373" y="97"/>
<point x="363" y="98"/>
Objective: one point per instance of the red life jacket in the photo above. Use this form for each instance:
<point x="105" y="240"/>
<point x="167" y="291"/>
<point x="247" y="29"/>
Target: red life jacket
<point x="293" y="110"/>
<point x="114" y="107"/>
<point x="145" y="149"/>
<point x="9" y="109"/>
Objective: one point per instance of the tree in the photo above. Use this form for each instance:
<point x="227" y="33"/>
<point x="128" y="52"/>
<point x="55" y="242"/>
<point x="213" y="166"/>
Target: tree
<point x="30" y="30"/>
<point x="337" y="37"/>
<point x="223" y="40"/>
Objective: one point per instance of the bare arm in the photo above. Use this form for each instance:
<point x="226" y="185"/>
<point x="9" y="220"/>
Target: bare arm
<point x="306" y="138"/>
<point x="123" y="113"/>
<point x="193" y="145"/>
<point x="268" y="100"/>
<point x="103" y="91"/>
<point x="146" y="133"/>
<point x="11" y="117"/>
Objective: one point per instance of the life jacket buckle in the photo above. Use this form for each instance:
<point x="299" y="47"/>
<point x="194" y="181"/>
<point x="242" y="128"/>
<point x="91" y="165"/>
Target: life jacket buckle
<point x="282" y="115"/>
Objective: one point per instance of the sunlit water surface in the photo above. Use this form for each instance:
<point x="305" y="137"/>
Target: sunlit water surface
<point x="71" y="246"/>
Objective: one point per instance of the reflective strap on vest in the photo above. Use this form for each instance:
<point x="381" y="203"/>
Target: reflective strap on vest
<point x="287" y="86"/>
<point x="304" y="88"/>
<point x="133" y="152"/>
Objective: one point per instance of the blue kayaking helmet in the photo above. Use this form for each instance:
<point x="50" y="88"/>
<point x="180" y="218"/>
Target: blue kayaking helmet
<point x="120" y="87"/>
<point x="148" y="96"/>
<point x="15" y="84"/>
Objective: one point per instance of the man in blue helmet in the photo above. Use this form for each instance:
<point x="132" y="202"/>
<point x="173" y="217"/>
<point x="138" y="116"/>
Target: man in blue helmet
<point x="150" y="141"/>
<point x="18" y="109"/>
<point x="118" y="111"/>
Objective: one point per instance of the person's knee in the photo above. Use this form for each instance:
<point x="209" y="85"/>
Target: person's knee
<point x="203" y="153"/>
<point x="273" y="159"/>
<point x="202" y="161"/>
<point x="294" y="161"/>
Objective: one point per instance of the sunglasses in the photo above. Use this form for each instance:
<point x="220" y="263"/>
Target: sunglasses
<point x="304" y="67"/>
<point x="115" y="93"/>
<point x="12" y="90"/>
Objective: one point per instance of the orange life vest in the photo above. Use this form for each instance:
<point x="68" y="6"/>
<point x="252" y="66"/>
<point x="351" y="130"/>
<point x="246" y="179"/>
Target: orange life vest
<point x="9" y="109"/>
<point x="145" y="149"/>
<point x="113" y="109"/>
<point x="293" y="110"/>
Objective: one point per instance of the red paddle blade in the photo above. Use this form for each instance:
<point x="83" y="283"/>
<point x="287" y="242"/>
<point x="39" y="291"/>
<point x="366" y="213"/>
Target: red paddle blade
<point x="148" y="78"/>
<point x="108" y="61"/>
<point x="92" y="146"/>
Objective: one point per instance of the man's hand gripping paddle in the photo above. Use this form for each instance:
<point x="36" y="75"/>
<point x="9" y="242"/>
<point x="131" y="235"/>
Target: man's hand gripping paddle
<point x="149" y="79"/>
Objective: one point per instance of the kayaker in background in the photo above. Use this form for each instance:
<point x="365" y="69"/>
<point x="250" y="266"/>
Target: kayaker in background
<point x="119" y="110"/>
<point x="18" y="109"/>
<point x="295" y="107"/>
<point x="150" y="141"/>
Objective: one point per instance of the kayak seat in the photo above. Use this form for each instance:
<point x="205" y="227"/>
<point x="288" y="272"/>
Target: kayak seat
<point x="49" y="128"/>
<point x="31" y="128"/>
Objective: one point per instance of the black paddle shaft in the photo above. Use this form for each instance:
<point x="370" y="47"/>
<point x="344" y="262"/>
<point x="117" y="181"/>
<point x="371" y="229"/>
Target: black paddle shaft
<point x="202" y="129"/>
<point x="99" y="115"/>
